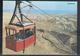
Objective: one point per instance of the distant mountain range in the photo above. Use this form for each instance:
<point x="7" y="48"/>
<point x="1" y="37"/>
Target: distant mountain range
<point x="47" y="11"/>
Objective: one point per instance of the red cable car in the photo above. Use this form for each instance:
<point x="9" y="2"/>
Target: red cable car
<point x="21" y="34"/>
<point x="13" y="34"/>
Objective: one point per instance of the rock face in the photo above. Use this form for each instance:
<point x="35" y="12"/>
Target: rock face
<point x="66" y="24"/>
<point x="62" y="28"/>
<point x="60" y="36"/>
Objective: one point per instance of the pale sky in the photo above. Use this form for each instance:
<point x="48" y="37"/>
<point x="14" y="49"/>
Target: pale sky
<point x="67" y="6"/>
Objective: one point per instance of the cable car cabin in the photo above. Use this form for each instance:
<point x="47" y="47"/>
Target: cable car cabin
<point x="20" y="37"/>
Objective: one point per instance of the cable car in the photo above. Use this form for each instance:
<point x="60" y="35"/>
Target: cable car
<point x="18" y="38"/>
<point x="21" y="34"/>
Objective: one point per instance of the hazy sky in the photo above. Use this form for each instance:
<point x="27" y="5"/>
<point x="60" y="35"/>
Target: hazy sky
<point x="48" y="6"/>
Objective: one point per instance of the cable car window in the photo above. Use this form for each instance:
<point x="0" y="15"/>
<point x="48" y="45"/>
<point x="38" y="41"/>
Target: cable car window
<point x="10" y="33"/>
<point x="22" y="34"/>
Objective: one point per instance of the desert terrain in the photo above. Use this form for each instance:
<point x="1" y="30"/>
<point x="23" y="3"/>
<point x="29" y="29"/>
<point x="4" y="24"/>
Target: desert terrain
<point x="60" y="34"/>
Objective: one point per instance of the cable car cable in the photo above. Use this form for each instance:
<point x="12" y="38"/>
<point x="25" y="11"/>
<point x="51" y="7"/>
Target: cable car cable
<point x="40" y="9"/>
